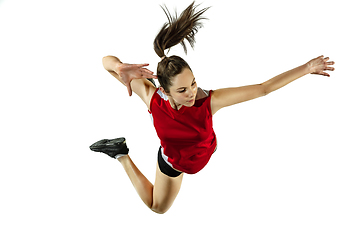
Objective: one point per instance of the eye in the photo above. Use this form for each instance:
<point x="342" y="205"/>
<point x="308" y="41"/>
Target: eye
<point x="182" y="91"/>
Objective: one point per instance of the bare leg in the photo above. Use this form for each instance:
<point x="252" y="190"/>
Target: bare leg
<point x="158" y="197"/>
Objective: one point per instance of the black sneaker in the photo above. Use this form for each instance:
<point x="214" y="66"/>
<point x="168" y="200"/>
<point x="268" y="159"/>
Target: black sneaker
<point x="111" y="147"/>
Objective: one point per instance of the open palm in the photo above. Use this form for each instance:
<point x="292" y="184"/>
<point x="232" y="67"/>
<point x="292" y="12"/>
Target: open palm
<point x="319" y="65"/>
<point x="129" y="72"/>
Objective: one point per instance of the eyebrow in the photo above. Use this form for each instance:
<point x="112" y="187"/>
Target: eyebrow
<point x="184" y="87"/>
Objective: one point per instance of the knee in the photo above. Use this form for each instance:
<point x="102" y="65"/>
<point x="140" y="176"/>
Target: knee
<point x="159" y="209"/>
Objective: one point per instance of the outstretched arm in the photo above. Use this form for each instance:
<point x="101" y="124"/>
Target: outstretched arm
<point x="133" y="76"/>
<point x="230" y="96"/>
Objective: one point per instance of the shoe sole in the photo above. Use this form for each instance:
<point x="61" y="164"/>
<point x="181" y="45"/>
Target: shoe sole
<point x="106" y="143"/>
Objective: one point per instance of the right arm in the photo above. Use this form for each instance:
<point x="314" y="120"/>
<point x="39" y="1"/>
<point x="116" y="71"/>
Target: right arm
<point x="133" y="76"/>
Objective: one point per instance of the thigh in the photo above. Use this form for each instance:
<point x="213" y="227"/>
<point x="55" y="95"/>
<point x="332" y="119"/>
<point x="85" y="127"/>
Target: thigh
<point x="165" y="190"/>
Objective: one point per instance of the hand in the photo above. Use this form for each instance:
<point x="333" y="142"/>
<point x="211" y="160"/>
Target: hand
<point x="319" y="65"/>
<point x="128" y="72"/>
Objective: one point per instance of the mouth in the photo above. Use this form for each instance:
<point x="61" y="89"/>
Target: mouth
<point x="191" y="101"/>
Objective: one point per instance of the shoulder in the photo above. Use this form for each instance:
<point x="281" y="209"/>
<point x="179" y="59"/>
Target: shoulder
<point x="215" y="102"/>
<point x="202" y="93"/>
<point x="157" y="98"/>
<point x="203" y="99"/>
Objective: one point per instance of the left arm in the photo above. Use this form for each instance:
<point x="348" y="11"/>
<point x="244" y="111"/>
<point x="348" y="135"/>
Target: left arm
<point x="229" y="96"/>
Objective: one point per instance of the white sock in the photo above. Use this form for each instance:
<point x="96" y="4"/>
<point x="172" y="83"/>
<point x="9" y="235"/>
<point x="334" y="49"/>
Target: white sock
<point x="119" y="156"/>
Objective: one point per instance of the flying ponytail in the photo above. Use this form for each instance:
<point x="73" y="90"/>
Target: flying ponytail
<point x="172" y="33"/>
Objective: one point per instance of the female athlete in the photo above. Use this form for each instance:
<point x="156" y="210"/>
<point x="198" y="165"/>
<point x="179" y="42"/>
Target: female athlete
<point x="181" y="111"/>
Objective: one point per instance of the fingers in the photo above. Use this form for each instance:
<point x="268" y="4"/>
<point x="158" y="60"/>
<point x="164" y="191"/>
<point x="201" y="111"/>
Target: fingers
<point x="328" y="63"/>
<point x="329" y="68"/>
<point x="321" y="64"/>
<point x="325" y="74"/>
<point x="326" y="59"/>
<point x="322" y="73"/>
<point x="141" y="65"/>
<point x="147" y="73"/>
<point x="326" y="68"/>
<point x="129" y="89"/>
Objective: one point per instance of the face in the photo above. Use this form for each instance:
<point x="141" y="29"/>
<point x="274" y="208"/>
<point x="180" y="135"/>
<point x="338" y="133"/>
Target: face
<point x="184" y="89"/>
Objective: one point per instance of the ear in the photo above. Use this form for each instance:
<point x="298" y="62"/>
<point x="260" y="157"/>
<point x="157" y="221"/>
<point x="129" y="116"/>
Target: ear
<point x="164" y="92"/>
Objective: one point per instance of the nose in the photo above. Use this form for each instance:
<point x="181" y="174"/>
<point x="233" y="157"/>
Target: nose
<point x="192" y="93"/>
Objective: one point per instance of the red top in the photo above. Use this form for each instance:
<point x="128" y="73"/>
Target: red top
<point x="187" y="135"/>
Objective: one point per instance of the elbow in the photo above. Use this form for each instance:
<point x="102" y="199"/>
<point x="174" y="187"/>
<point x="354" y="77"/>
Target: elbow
<point x="105" y="58"/>
<point x="110" y="62"/>
<point x="265" y="93"/>
<point x="264" y="90"/>
<point x="104" y="61"/>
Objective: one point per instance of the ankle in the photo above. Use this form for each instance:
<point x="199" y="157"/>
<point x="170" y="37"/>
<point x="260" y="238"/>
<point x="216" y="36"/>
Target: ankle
<point x="122" y="157"/>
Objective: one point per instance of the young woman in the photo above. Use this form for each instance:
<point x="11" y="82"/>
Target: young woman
<point x="182" y="112"/>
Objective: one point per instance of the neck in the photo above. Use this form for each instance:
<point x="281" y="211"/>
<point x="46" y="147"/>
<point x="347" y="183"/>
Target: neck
<point x="174" y="105"/>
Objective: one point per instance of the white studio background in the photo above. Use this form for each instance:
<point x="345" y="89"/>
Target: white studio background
<point x="287" y="165"/>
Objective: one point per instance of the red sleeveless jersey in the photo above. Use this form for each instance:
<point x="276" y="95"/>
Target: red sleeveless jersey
<point x="187" y="135"/>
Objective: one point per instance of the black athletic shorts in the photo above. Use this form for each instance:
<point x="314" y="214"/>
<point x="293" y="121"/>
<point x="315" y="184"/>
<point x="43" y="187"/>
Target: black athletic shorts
<point x="166" y="168"/>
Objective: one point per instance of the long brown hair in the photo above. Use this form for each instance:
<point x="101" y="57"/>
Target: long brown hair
<point x="175" y="31"/>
